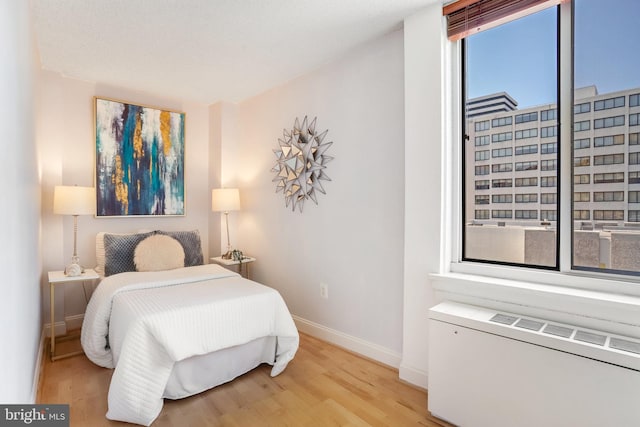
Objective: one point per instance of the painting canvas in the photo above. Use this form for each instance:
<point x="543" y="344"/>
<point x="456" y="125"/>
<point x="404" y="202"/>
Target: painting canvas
<point x="139" y="160"/>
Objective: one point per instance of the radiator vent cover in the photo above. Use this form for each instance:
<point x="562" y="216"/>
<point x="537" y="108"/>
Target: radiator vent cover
<point x="567" y="332"/>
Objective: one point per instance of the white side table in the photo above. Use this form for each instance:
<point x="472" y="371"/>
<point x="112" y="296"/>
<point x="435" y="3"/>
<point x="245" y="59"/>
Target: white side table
<point x="230" y="262"/>
<point x="59" y="278"/>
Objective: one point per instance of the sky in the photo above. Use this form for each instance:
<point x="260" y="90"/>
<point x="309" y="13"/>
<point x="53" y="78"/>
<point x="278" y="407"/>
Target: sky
<point x="520" y="57"/>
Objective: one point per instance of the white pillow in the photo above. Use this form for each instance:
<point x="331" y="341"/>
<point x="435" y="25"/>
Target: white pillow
<point x="158" y="252"/>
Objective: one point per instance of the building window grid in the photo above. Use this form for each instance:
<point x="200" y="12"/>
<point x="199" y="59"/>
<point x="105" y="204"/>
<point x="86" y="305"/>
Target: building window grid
<point x="549" y="148"/>
<point x="548" y="181"/>
<point x="608" y="196"/>
<point x="483" y="125"/>
<point x="527" y="198"/>
<point x="527" y="133"/>
<point x="634" y="216"/>
<point x="482" y="199"/>
<point x="581" y="214"/>
<point x="608" y="178"/>
<point x="634" y="196"/>
<point x="483" y="155"/>
<point x="501" y="152"/>
<point x="582" y="126"/>
<point x="482" y="170"/>
<point x="501" y="183"/>
<point x="582" y="161"/>
<point x="548" y="215"/>
<point x="607" y="104"/>
<point x="527" y="166"/>
<point x="585" y="107"/>
<point x="549" y="165"/>
<point x="634" y="100"/>
<point x="526" y="214"/>
<point x="527" y="182"/>
<point x="501" y="121"/>
<point x="550" y="114"/>
<point x="527" y="117"/>
<point x="482" y="140"/>
<point x="608" y="122"/>
<point x="501" y="213"/>
<point x="502" y="198"/>
<point x="609" y="159"/>
<point x="548" y="131"/>
<point x="634" y="138"/>
<point x="526" y="149"/>
<point x="548" y="198"/>
<point x="582" y="196"/>
<point x="634" y="158"/>
<point x="634" y="177"/>
<point x="608" y="215"/>
<point x="482" y="214"/>
<point x="605" y="141"/>
<point x="501" y="137"/>
<point x="501" y="167"/>
<point x="582" y="179"/>
<point x="581" y="143"/>
<point x="634" y="119"/>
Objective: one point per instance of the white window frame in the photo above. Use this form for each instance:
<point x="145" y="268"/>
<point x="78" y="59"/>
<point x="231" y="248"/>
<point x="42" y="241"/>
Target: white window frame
<point x="612" y="291"/>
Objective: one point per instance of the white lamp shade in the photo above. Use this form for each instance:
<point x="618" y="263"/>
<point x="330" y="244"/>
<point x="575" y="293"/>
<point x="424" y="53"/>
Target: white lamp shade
<point x="74" y="200"/>
<point x="225" y="199"/>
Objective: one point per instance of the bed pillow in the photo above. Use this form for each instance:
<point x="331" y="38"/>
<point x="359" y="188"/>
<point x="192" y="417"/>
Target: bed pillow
<point x="190" y="241"/>
<point x="115" y="251"/>
<point x="158" y="252"/>
<point x="119" y="250"/>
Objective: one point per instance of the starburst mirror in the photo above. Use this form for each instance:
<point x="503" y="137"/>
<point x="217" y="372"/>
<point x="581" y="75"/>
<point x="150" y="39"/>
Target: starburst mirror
<point x="300" y="163"/>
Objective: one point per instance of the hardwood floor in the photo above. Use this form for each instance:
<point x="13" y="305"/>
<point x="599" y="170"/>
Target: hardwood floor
<point x="323" y="386"/>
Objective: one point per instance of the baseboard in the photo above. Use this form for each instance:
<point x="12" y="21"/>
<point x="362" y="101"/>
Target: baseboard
<point x="38" y="372"/>
<point x="70" y="323"/>
<point x="413" y="376"/>
<point x="367" y="349"/>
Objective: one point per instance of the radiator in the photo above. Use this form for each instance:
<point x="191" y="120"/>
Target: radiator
<point x="498" y="369"/>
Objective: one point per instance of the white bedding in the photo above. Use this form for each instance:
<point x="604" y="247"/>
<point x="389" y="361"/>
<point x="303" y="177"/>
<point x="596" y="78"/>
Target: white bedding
<point x="190" y="311"/>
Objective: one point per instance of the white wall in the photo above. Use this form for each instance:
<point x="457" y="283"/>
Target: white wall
<point x="19" y="223"/>
<point x="424" y="241"/>
<point x="66" y="143"/>
<point x="353" y="239"/>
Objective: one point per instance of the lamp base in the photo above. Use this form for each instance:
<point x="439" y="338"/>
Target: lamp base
<point x="73" y="270"/>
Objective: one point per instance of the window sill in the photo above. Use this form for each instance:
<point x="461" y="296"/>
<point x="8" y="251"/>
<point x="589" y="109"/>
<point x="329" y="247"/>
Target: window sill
<point x="561" y="302"/>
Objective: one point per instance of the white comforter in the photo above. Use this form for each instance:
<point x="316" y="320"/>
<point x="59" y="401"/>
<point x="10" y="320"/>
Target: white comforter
<point x="190" y="311"/>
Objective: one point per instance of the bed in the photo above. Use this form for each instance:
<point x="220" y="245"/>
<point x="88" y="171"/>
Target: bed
<point x="178" y="331"/>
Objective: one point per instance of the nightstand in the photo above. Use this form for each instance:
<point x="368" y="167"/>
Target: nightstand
<point x="59" y="278"/>
<point x="232" y="263"/>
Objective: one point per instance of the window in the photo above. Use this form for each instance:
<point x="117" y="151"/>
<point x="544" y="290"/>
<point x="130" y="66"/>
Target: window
<point x="582" y="196"/>
<point x="580" y="126"/>
<point x="608" y="215"/>
<point x="608" y="122"/>
<point x="482" y="184"/>
<point x="482" y="155"/>
<point x="527" y="117"/>
<point x="581" y="179"/>
<point x="608" y="178"/>
<point x="482" y="214"/>
<point x="527" y="182"/>
<point x="501" y="152"/>
<point x="502" y="121"/>
<point x="604" y="141"/>
<point x="548" y="131"/>
<point x="548" y="181"/>
<point x="581" y="161"/>
<point x="502" y="198"/>
<point x="501" y="137"/>
<point x="549" y="165"/>
<point x="482" y="200"/>
<point x="606" y="114"/>
<point x="585" y="107"/>
<point x="483" y="125"/>
<point x="609" y="159"/>
<point x="579" y="144"/>
<point x="527" y="133"/>
<point x="527" y="198"/>
<point x="526" y="214"/>
<point x="606" y="104"/>
<point x="551" y="114"/>
<point x="581" y="214"/>
<point x="482" y="170"/>
<point x="500" y="183"/>
<point x="501" y="167"/>
<point x="501" y="213"/>
<point x="526" y="166"/>
<point x="526" y="149"/>
<point x="608" y="196"/>
<point x="634" y="216"/>
<point x="482" y="140"/>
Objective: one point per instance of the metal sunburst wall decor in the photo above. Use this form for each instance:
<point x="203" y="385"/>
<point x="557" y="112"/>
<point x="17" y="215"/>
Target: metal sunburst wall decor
<point x="301" y="163"/>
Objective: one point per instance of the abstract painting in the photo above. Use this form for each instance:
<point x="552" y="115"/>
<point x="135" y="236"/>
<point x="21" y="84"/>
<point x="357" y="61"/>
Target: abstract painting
<point x="139" y="160"/>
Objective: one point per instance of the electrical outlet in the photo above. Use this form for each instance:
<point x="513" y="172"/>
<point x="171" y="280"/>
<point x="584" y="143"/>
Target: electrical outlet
<point x="324" y="290"/>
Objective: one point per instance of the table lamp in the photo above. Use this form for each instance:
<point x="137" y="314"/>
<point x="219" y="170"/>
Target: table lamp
<point x="225" y="200"/>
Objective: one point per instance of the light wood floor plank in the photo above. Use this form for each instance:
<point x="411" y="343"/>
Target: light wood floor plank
<point x="323" y="386"/>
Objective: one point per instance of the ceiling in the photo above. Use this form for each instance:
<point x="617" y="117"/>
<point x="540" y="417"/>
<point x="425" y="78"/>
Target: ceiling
<point x="206" y="50"/>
